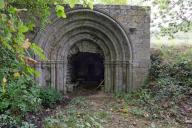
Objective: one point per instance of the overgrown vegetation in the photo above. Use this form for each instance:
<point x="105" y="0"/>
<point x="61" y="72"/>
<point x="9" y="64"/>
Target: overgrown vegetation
<point x="19" y="93"/>
<point x="76" y="115"/>
<point x="167" y="95"/>
<point x="50" y="97"/>
<point x="21" y="97"/>
<point x="169" y="84"/>
<point x="74" y="119"/>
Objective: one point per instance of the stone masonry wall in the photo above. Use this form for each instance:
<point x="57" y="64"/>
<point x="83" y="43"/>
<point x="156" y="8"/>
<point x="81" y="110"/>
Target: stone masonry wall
<point x="119" y="30"/>
<point x="136" y="22"/>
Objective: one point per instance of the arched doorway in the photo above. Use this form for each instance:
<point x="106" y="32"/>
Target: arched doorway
<point x="87" y="69"/>
<point x="85" y="66"/>
<point x="87" y="34"/>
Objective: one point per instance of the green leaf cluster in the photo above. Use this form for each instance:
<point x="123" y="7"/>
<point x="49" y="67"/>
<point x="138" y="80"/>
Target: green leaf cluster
<point x="50" y="96"/>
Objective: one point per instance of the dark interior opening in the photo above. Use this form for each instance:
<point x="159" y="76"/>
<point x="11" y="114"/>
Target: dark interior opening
<point x="87" y="69"/>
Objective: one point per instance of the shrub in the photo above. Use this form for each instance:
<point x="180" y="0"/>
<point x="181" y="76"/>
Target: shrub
<point x="174" y="64"/>
<point x="169" y="84"/>
<point x="22" y="96"/>
<point x="7" y="121"/>
<point x="50" y="96"/>
<point x="156" y="59"/>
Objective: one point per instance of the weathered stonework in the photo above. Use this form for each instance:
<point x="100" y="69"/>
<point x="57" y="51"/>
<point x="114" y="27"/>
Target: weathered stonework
<point x="120" y="33"/>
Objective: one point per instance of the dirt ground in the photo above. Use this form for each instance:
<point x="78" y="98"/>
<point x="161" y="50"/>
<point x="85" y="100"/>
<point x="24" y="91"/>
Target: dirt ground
<point x="117" y="116"/>
<point x="99" y="102"/>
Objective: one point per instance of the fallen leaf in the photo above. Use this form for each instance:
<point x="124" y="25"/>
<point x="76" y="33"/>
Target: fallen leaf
<point x="26" y="44"/>
<point x="29" y="60"/>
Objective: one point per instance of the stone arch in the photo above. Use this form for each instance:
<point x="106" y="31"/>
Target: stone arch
<point x="98" y="28"/>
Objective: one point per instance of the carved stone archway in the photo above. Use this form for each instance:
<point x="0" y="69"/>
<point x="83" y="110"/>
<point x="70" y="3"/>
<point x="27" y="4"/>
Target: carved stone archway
<point x="91" y="31"/>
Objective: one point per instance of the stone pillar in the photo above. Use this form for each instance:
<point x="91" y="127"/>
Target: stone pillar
<point x="65" y="77"/>
<point x="106" y="77"/>
<point x="69" y="73"/>
<point x="118" y="76"/>
<point x="129" y="77"/>
<point x="53" y="74"/>
<point x="64" y="84"/>
<point x="59" y="74"/>
<point x="112" y="76"/>
<point x="38" y="68"/>
<point x="125" y="73"/>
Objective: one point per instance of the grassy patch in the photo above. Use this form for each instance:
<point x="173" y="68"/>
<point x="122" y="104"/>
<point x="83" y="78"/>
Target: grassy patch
<point x="77" y="115"/>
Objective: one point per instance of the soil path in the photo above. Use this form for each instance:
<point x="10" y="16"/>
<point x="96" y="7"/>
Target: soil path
<point x="91" y="102"/>
<point x="98" y="101"/>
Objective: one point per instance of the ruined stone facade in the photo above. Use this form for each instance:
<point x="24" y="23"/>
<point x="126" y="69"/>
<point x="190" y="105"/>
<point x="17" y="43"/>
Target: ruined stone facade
<point x="118" y="33"/>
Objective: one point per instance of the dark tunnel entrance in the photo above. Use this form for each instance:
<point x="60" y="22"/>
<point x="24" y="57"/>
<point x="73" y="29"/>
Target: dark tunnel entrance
<point x="87" y="69"/>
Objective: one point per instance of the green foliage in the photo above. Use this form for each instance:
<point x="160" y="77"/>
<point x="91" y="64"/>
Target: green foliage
<point x="60" y="11"/>
<point x="9" y="122"/>
<point x="13" y="43"/>
<point x="137" y="112"/>
<point x="21" y="97"/>
<point x="169" y="84"/>
<point x="18" y="91"/>
<point x="173" y="64"/>
<point x="50" y="96"/>
<point x="34" y="11"/>
<point x="2" y="4"/>
<point x="37" y="50"/>
<point x="174" y="14"/>
<point x="27" y="125"/>
<point x="163" y="4"/>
